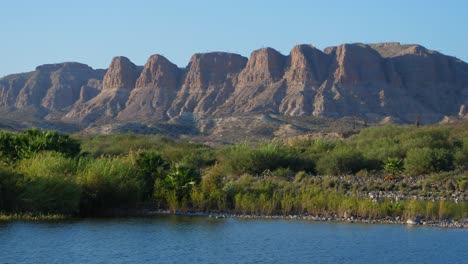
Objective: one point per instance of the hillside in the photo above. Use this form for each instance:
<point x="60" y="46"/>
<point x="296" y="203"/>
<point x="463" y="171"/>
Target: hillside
<point x="269" y="92"/>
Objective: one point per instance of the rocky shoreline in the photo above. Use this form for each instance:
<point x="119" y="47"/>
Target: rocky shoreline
<point x="388" y="220"/>
<point x="415" y="221"/>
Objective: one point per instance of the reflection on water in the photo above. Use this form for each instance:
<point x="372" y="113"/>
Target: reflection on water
<point x="180" y="239"/>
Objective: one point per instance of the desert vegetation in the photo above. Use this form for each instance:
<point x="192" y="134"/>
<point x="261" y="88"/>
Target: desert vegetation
<point x="386" y="171"/>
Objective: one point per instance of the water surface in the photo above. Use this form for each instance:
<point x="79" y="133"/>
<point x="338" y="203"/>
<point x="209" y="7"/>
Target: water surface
<point x="177" y="239"/>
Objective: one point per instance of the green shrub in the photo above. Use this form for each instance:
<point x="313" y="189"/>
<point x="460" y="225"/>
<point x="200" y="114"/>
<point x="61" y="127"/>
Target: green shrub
<point x="393" y="166"/>
<point x="195" y="156"/>
<point x="425" y="160"/>
<point x="241" y="158"/>
<point x="122" y="144"/>
<point x="461" y="154"/>
<point x="109" y="182"/>
<point x="10" y="189"/>
<point x="50" y="195"/>
<point x="180" y="180"/>
<point x="341" y="160"/>
<point x="48" y="164"/>
<point x="50" y="185"/>
<point x="14" y="146"/>
<point x="212" y="179"/>
<point x="285" y="173"/>
<point x="150" y="166"/>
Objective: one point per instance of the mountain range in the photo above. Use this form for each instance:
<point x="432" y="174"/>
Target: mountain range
<point x="383" y="82"/>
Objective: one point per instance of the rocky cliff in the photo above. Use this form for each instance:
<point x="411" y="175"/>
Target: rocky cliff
<point x="385" y="81"/>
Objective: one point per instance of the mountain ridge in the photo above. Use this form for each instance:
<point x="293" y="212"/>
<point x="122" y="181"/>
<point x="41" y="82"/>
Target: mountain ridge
<point x="380" y="81"/>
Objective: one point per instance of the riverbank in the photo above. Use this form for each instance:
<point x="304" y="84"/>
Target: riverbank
<point x="463" y="224"/>
<point x="387" y="220"/>
<point x="32" y="217"/>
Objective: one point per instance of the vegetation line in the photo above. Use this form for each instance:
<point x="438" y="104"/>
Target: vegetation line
<point x="390" y="171"/>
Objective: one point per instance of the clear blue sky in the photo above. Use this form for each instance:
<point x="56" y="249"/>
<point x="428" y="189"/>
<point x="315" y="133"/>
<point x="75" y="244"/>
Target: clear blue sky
<point x="49" y="31"/>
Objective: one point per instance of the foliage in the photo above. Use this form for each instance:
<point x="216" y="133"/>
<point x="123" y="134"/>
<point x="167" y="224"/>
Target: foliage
<point x="15" y="146"/>
<point x="9" y="189"/>
<point x="393" y="166"/>
<point x="42" y="173"/>
<point x="242" y="158"/>
<point x="180" y="180"/>
<point x="425" y="160"/>
<point x="341" y="160"/>
<point x="122" y="144"/>
<point x="150" y="166"/>
<point x="108" y="182"/>
<point x="48" y="163"/>
<point x="50" y="195"/>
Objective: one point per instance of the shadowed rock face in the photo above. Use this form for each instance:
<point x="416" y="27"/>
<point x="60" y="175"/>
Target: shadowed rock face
<point x="259" y="86"/>
<point x="207" y="83"/>
<point x="53" y="87"/>
<point x="307" y="69"/>
<point x="118" y="82"/>
<point x="155" y="90"/>
<point x="122" y="74"/>
<point x="372" y="81"/>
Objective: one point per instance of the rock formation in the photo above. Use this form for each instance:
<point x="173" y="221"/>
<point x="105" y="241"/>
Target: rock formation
<point x="376" y="82"/>
<point x="207" y="83"/>
<point x="155" y="91"/>
<point x="117" y="84"/>
<point x="54" y="87"/>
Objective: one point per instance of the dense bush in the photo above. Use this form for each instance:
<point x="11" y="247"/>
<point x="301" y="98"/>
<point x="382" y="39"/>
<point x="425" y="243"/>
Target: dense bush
<point x="50" y="194"/>
<point x="242" y="158"/>
<point x="339" y="161"/>
<point x="15" y="146"/>
<point x="41" y="172"/>
<point x="426" y="160"/>
<point x="122" y="144"/>
<point x="48" y="163"/>
<point x="150" y="166"/>
<point x="109" y="182"/>
<point x="10" y="190"/>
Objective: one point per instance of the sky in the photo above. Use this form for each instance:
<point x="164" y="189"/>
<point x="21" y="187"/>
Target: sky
<point x="93" y="32"/>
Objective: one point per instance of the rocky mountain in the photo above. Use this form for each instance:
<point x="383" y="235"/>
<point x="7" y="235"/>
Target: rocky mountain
<point x="372" y="82"/>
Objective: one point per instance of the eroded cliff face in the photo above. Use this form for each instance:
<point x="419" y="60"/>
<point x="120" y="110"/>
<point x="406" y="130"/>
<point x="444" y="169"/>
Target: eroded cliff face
<point x="307" y="69"/>
<point x="118" y="82"/>
<point x="207" y="83"/>
<point x="259" y="86"/>
<point x="54" y="87"/>
<point x="384" y="81"/>
<point x="155" y="90"/>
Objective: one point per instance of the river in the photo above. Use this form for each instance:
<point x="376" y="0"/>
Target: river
<point x="179" y="239"/>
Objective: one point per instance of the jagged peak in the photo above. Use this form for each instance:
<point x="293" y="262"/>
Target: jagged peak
<point x="157" y="58"/>
<point x="267" y="51"/>
<point x="121" y="74"/>
<point x="304" y="50"/>
<point x="121" y="60"/>
<point x="156" y="68"/>
<point x="301" y="47"/>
